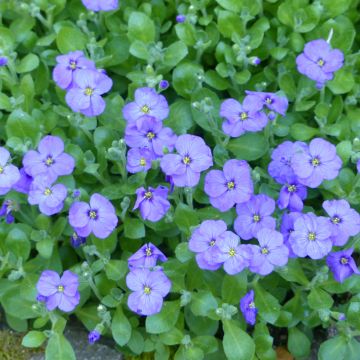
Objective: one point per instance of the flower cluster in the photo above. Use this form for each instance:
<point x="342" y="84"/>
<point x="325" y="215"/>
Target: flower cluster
<point x="147" y="281"/>
<point x="83" y="82"/>
<point x="215" y="247"/>
<point x="250" y="115"/>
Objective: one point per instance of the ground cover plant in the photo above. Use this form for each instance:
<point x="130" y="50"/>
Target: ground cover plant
<point x="182" y="176"/>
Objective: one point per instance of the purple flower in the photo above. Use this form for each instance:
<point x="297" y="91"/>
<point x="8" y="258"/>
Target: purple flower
<point x="231" y="186"/>
<point x="98" y="217"/>
<point x="94" y="336"/>
<point x="139" y="160"/>
<point x="147" y="102"/>
<point x="270" y="253"/>
<point x="148" y="132"/>
<point x="149" y="288"/>
<point x="273" y="102"/>
<point x="9" y="174"/>
<point x="153" y="203"/>
<point x="6" y="210"/>
<point x="358" y="166"/>
<point x="76" y="193"/>
<point x="254" y="215"/>
<point x="342" y="264"/>
<point x="248" y="308"/>
<point x="193" y="157"/>
<point x="311" y="236"/>
<point x="203" y="241"/>
<point x="240" y="118"/>
<point x="291" y="196"/>
<point x="50" y="198"/>
<point x="59" y="292"/>
<point x="146" y="256"/>
<point x="101" y="5"/>
<point x="68" y="65"/>
<point x="50" y="159"/>
<point x="318" y="61"/>
<point x="76" y="240"/>
<point x="23" y="184"/>
<point x="180" y="18"/>
<point x="3" y="60"/>
<point x="255" y="61"/>
<point x="344" y="221"/>
<point x="316" y="163"/>
<point x="234" y="256"/>
<point x="85" y="95"/>
<point x="163" y="84"/>
<point x="41" y="298"/>
<point x="280" y="167"/>
<point x="287" y="227"/>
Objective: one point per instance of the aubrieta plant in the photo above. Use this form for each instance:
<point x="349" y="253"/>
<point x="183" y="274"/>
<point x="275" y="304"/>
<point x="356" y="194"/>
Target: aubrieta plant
<point x="182" y="176"/>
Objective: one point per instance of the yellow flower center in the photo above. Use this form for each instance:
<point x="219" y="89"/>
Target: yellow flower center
<point x="315" y="162"/>
<point x="291" y="188"/>
<point x="212" y="242"/>
<point x="60" y="288"/>
<point x="268" y="100"/>
<point x="321" y="62"/>
<point x="344" y="260"/>
<point x="311" y="236"/>
<point x="251" y="305"/>
<point x="1" y="169"/>
<point x="150" y="135"/>
<point x="49" y="161"/>
<point x="148" y="195"/>
<point x="335" y="220"/>
<point x="148" y="251"/>
<point x="147" y="290"/>
<point x="243" y="116"/>
<point x="89" y="91"/>
<point x="256" y="218"/>
<point x="72" y="64"/>
<point x="186" y="160"/>
<point x="232" y="252"/>
<point x="47" y="192"/>
<point x="92" y="214"/>
<point x="142" y="162"/>
<point x="264" y="251"/>
<point x="230" y="185"/>
<point x="145" y="109"/>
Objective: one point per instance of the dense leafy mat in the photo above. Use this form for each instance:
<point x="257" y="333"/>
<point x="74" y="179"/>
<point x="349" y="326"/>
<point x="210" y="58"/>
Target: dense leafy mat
<point x="216" y="50"/>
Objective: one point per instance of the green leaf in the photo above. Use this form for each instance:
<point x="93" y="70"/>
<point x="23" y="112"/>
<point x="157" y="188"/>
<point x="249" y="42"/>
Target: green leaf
<point x="27" y="64"/>
<point x="175" y="53"/>
<point x="302" y="132"/>
<point x="134" y="228"/>
<point x="59" y="348"/>
<point x="165" y="319"/>
<point x="141" y="27"/>
<point x="230" y="24"/>
<point x="343" y="82"/>
<point x="21" y="125"/>
<point x="70" y="39"/>
<point x="186" y="33"/>
<point x="232" y="5"/>
<point x="116" y="269"/>
<point x="45" y="247"/>
<point x="185" y="218"/>
<point x="120" y="327"/>
<point x="238" y="345"/>
<point x="202" y="302"/>
<point x="185" y="79"/>
<point x="267" y="304"/>
<point x="232" y="286"/>
<point x="180" y="109"/>
<point x="250" y="146"/>
<point x="18" y="243"/>
<point x="139" y="50"/>
<point x="333" y="349"/>
<point x="33" y="339"/>
<point x="298" y="343"/>
<point x="319" y="299"/>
